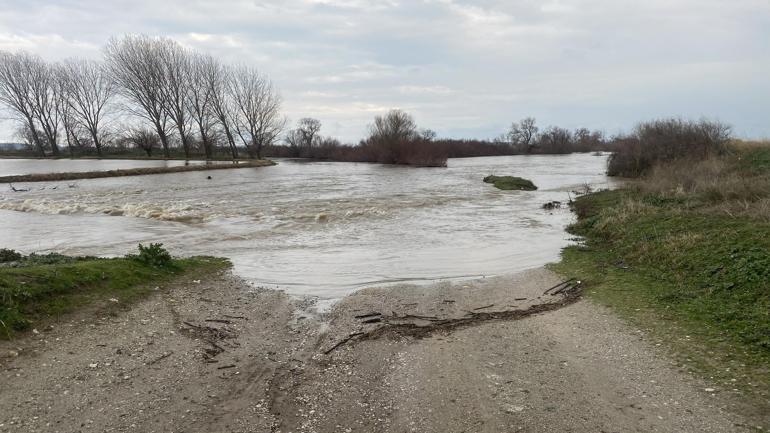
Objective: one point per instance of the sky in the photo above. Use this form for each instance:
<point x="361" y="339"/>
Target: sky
<point x="465" y="69"/>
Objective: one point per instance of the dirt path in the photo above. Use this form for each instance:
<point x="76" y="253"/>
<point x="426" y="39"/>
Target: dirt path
<point x="149" y="370"/>
<point x="573" y="368"/>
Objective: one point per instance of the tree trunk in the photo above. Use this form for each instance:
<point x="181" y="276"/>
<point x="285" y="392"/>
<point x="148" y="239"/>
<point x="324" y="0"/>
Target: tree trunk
<point x="96" y="143"/>
<point x="163" y="140"/>
<point x="35" y="137"/>
<point x="185" y="144"/>
<point x="69" y="143"/>
<point x="231" y="141"/>
<point x="206" y="143"/>
<point x="52" y="141"/>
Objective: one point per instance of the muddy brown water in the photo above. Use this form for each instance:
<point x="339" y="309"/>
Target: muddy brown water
<point x="322" y="228"/>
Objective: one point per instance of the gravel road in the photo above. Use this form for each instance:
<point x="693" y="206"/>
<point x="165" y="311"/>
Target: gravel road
<point x="222" y="356"/>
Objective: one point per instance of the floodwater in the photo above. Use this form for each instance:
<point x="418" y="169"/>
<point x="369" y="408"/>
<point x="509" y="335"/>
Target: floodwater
<point x="13" y="167"/>
<point x="315" y="228"/>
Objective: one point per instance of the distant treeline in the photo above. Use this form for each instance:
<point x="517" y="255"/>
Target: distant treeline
<point x="395" y="139"/>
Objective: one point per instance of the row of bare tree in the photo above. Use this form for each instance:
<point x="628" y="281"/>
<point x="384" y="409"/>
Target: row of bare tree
<point x="394" y="138"/>
<point x="526" y="137"/>
<point x="183" y="97"/>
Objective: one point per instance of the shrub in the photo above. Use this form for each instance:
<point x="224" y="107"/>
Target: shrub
<point x="7" y="255"/>
<point x="35" y="259"/>
<point x="153" y="255"/>
<point x="667" y="140"/>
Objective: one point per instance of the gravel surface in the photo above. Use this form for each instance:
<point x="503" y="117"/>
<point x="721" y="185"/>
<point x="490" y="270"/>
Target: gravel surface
<point x="258" y="365"/>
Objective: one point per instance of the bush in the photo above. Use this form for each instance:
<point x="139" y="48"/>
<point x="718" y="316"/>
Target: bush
<point x="35" y="259"/>
<point x="153" y="255"/>
<point x="667" y="140"/>
<point x="7" y="255"/>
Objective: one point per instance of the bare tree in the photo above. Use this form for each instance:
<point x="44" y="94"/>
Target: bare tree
<point x="16" y="75"/>
<point x="586" y="140"/>
<point x="46" y="100"/>
<point x="395" y="126"/>
<point x="176" y="87"/>
<point x="258" y="105"/>
<point x="395" y="139"/>
<point x="135" y="64"/>
<point x="308" y="129"/>
<point x="143" y="138"/>
<point x="523" y="134"/>
<point x="304" y="136"/>
<point x="24" y="134"/>
<point x="294" y="140"/>
<point x="222" y="105"/>
<point x="70" y="126"/>
<point x="87" y="90"/>
<point x="428" y="134"/>
<point x="205" y="71"/>
<point x="555" y="140"/>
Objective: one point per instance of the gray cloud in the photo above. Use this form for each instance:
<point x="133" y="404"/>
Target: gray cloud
<point x="462" y="67"/>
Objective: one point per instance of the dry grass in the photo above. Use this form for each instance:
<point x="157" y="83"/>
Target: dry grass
<point x="758" y="210"/>
<point x="717" y="180"/>
<point x="744" y="145"/>
<point x="618" y="216"/>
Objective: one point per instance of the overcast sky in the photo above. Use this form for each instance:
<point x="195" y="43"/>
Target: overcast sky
<point x="463" y="68"/>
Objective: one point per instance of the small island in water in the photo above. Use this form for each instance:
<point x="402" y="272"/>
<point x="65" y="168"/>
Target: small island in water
<point x="510" y="183"/>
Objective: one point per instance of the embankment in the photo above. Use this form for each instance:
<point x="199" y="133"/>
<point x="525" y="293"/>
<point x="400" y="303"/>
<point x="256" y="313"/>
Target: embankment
<point x="50" y="177"/>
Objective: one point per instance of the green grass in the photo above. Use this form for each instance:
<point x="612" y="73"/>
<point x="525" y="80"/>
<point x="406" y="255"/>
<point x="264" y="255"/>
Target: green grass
<point x="756" y="160"/>
<point x="42" y="288"/>
<point x="697" y="279"/>
<point x="510" y="183"/>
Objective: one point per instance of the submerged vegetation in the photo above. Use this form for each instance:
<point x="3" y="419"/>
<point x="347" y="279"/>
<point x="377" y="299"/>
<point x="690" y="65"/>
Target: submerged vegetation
<point x="37" y="288"/>
<point x="685" y="252"/>
<point x="510" y="183"/>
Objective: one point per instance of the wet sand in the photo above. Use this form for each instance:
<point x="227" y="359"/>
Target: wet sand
<point x="221" y="355"/>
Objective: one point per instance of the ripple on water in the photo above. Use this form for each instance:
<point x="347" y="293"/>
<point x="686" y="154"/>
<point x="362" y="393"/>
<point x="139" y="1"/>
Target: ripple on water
<point x="322" y="229"/>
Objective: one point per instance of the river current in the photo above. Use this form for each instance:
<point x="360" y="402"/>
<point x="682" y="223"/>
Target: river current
<point x="311" y="228"/>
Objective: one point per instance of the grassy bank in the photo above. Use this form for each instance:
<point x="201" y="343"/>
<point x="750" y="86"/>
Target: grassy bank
<point x="51" y="177"/>
<point x="685" y="253"/>
<point x="38" y="288"/>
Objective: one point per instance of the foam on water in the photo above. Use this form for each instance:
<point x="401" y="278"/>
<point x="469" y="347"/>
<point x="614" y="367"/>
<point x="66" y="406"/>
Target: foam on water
<point x="323" y="228"/>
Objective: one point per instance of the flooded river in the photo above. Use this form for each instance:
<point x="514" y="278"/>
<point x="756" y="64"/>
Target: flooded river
<point x="13" y="167"/>
<point x="319" y="228"/>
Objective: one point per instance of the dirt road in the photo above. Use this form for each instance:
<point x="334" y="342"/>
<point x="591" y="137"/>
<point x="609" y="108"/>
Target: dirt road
<point x="493" y="355"/>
